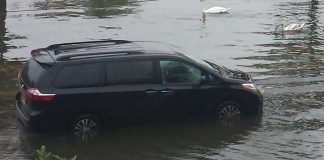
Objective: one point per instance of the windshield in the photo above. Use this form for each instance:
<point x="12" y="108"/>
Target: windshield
<point x="213" y="66"/>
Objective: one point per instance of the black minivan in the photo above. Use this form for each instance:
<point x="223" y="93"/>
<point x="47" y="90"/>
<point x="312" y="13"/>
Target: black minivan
<point x="85" y="87"/>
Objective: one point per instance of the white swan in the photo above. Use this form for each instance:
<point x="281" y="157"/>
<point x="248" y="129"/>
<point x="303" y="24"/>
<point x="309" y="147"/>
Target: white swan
<point x="291" y="27"/>
<point x="294" y="27"/>
<point x="214" y="10"/>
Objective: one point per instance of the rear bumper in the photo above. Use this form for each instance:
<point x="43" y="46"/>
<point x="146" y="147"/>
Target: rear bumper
<point x="30" y="119"/>
<point x="39" y="120"/>
<point x="32" y="122"/>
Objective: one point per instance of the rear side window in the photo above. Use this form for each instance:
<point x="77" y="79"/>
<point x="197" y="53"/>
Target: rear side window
<point x="31" y="72"/>
<point x="78" y="76"/>
<point x="131" y="72"/>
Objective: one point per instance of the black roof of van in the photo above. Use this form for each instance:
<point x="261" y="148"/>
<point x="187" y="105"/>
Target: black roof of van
<point x="95" y="49"/>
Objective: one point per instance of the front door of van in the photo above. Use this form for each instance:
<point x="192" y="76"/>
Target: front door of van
<point x="180" y="97"/>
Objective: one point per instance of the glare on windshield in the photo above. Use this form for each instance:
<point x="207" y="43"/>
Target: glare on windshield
<point x="205" y="63"/>
<point x="201" y="61"/>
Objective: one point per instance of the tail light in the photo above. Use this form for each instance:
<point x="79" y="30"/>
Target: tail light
<point x="35" y="94"/>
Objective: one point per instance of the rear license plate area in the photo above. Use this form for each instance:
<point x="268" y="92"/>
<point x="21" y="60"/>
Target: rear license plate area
<point x="22" y="100"/>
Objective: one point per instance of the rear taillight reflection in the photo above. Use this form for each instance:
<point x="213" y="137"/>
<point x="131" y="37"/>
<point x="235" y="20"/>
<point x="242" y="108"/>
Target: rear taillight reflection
<point x="35" y="94"/>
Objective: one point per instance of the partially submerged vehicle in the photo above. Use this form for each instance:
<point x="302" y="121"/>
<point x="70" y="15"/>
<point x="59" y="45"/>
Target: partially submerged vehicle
<point x="85" y="87"/>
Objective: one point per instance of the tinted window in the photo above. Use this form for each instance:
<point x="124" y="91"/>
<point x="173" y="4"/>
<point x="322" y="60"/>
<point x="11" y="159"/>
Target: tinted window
<point x="179" y="72"/>
<point x="131" y="72"/>
<point x="78" y="76"/>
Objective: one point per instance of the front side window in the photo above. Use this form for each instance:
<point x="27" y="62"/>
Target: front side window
<point x="78" y="76"/>
<point x="130" y="72"/>
<point x="179" y="73"/>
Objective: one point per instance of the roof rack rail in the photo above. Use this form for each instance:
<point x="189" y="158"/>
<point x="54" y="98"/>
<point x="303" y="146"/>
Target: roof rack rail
<point x="96" y="55"/>
<point x="58" y="46"/>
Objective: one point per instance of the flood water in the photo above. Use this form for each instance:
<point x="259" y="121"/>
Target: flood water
<point x="290" y="66"/>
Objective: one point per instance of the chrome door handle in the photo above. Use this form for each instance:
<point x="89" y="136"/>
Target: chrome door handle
<point x="167" y="92"/>
<point x="151" y="92"/>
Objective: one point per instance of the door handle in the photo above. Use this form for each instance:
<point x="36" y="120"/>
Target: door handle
<point x="151" y="92"/>
<point x="167" y="92"/>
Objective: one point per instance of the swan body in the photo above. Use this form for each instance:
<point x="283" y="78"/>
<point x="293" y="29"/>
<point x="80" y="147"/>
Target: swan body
<point x="216" y="9"/>
<point x="294" y="27"/>
<point x="291" y="27"/>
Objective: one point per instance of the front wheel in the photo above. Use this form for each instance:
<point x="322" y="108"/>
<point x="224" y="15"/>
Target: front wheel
<point x="85" y="126"/>
<point x="229" y="110"/>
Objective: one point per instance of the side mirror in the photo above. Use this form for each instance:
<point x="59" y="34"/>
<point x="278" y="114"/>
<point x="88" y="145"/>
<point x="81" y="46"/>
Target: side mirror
<point x="203" y="79"/>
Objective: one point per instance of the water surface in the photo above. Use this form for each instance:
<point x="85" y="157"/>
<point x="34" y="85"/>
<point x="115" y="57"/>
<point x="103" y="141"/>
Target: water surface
<point x="289" y="66"/>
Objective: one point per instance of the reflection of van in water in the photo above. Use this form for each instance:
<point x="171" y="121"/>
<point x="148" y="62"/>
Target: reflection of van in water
<point x="87" y="86"/>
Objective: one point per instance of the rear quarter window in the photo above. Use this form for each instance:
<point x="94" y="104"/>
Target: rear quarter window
<point x="78" y="76"/>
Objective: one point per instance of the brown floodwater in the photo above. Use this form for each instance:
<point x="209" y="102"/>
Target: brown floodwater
<point x="289" y="65"/>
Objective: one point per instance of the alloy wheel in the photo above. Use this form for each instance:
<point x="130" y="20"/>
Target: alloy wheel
<point x="85" y="128"/>
<point x="230" y="111"/>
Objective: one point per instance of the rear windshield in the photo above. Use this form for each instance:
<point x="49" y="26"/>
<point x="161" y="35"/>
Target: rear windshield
<point x="31" y="72"/>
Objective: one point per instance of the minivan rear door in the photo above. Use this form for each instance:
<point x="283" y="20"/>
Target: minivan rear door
<point x="129" y="92"/>
<point x="30" y="76"/>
